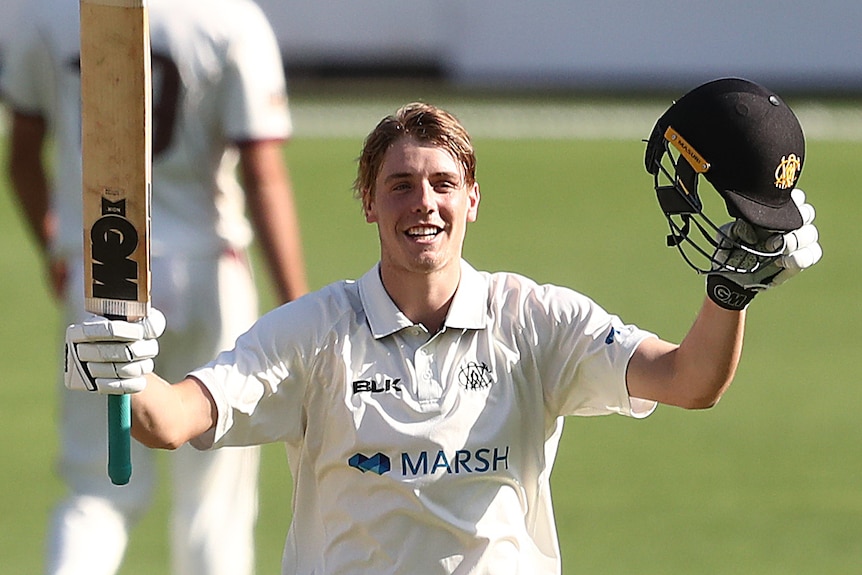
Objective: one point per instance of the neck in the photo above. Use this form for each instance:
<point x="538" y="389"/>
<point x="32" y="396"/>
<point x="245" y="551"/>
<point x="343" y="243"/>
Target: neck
<point x="423" y="297"/>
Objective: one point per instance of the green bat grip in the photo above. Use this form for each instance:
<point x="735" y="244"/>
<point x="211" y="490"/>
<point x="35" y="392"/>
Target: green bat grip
<point x="119" y="439"/>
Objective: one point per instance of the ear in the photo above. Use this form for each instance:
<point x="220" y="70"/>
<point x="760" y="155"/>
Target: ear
<point x="368" y="206"/>
<point x="473" y="197"/>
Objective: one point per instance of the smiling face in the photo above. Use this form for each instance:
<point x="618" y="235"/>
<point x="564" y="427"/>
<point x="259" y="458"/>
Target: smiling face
<point x="421" y="204"/>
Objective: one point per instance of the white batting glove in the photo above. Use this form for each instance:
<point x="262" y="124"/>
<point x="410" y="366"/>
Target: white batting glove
<point x="737" y="275"/>
<point x="112" y="357"/>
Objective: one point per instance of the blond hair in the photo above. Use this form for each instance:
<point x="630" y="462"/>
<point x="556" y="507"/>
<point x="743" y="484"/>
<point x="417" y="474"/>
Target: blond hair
<point x="426" y="124"/>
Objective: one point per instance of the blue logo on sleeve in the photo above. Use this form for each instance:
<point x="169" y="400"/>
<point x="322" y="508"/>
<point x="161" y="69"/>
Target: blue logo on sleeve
<point x="611" y="335"/>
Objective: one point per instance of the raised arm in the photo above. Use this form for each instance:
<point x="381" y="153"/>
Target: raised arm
<point x="115" y="357"/>
<point x="743" y="140"/>
<point x="166" y="416"/>
<point x="695" y="373"/>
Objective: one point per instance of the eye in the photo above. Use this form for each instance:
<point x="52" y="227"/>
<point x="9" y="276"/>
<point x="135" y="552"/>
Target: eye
<point x="445" y="185"/>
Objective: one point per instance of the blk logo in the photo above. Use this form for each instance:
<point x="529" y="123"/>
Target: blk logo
<point x="378" y="463"/>
<point x="372" y="385"/>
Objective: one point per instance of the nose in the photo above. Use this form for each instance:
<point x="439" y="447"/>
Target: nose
<point x="426" y="199"/>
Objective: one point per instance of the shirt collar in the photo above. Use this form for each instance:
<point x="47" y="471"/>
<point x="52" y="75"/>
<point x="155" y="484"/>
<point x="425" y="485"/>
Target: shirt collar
<point x="469" y="309"/>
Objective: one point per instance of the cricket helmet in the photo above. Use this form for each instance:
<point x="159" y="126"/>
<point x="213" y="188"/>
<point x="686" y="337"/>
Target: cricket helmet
<point x="745" y="141"/>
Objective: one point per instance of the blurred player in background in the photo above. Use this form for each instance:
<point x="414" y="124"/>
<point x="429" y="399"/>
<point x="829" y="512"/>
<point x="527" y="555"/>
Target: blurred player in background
<point x="219" y="103"/>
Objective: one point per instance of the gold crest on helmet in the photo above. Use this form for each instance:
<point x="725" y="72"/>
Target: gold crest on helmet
<point x="785" y="173"/>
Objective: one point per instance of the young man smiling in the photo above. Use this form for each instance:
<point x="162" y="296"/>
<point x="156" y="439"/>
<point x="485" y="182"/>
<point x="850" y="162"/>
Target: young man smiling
<point x="421" y="199"/>
<point x="421" y="406"/>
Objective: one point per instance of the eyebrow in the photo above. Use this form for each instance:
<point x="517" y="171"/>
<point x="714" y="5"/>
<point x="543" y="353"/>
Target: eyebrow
<point x="397" y="176"/>
<point x="403" y="175"/>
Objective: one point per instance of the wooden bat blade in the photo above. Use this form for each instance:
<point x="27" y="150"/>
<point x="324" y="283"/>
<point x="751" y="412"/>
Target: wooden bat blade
<point x="116" y="108"/>
<point x="116" y="113"/>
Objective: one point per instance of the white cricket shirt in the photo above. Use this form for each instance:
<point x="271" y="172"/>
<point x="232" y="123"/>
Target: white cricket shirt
<point x="418" y="453"/>
<point x="218" y="80"/>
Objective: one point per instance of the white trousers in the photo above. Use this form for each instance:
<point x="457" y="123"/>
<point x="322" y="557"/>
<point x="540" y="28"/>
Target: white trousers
<point x="208" y="302"/>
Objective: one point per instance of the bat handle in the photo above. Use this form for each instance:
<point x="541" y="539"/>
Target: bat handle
<point x="119" y="434"/>
<point x="119" y="439"/>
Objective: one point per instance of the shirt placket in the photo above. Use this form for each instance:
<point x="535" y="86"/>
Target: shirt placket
<point x="428" y="387"/>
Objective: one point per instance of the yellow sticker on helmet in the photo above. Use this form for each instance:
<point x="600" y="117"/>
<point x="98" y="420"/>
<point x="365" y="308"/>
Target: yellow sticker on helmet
<point x="686" y="150"/>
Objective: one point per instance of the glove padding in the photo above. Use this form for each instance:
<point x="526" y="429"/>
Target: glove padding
<point x="112" y="357"/>
<point x="738" y="275"/>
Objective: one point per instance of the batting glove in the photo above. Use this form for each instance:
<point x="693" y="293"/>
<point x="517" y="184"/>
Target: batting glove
<point x="739" y="274"/>
<point x="112" y="357"/>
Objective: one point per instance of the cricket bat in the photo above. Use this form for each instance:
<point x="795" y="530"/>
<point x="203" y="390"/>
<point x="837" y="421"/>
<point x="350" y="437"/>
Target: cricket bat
<point x="116" y="112"/>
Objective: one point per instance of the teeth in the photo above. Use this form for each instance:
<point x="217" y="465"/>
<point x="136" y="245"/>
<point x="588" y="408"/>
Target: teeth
<point x="422" y="231"/>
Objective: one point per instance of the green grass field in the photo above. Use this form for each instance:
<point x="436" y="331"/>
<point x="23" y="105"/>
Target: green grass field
<point x="765" y="483"/>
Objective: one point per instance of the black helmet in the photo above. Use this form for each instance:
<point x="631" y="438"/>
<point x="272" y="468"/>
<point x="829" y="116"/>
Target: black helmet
<point x="744" y="140"/>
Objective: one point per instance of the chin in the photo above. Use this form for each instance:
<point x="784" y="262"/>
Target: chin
<point x="423" y="261"/>
<point x="426" y="263"/>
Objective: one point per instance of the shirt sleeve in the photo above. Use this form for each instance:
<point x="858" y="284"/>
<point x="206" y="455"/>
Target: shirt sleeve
<point x="584" y="353"/>
<point x="25" y="77"/>
<point x="255" y="106"/>
<point x="257" y="387"/>
<point x="262" y="386"/>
